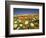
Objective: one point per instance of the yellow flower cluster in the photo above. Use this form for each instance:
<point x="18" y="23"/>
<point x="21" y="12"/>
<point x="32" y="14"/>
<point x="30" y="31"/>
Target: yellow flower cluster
<point x="26" y="22"/>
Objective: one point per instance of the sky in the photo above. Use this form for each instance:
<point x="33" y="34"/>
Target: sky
<point x="25" y="11"/>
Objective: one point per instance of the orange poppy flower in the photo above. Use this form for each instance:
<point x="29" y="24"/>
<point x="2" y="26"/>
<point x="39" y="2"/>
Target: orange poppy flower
<point x="30" y="17"/>
<point x="21" y="17"/>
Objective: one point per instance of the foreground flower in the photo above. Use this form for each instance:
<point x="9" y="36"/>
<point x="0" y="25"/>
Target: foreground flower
<point x="31" y="24"/>
<point x="26" y="22"/>
<point x="15" y="25"/>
